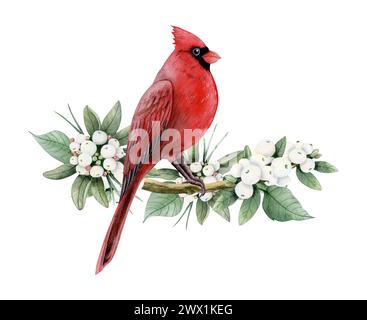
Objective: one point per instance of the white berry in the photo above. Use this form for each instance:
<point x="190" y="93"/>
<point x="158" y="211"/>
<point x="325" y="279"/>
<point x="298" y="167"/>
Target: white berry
<point x="208" y="170"/>
<point x="265" y="148"/>
<point x="120" y="152"/>
<point x="96" y="171"/>
<point x="80" y="138"/>
<point x="244" y="162"/>
<point x="266" y="173"/>
<point x="258" y="159"/>
<point x="99" y="137"/>
<point x="85" y="159"/>
<point x="251" y="174"/>
<point x="215" y="164"/>
<point x="179" y="180"/>
<point x="307" y="148"/>
<point x="206" y="196"/>
<point x="243" y="191"/>
<point x="88" y="147"/>
<point x="74" y="146"/>
<point x="81" y="170"/>
<point x="219" y="177"/>
<point x="308" y="165"/>
<point x="210" y="179"/>
<point x="195" y="167"/>
<point x="114" y="142"/>
<point x="73" y="160"/>
<point x="297" y="156"/>
<point x="268" y="160"/>
<point x="236" y="170"/>
<point x="281" y="167"/>
<point x="109" y="164"/>
<point x="108" y="151"/>
<point x="284" y="181"/>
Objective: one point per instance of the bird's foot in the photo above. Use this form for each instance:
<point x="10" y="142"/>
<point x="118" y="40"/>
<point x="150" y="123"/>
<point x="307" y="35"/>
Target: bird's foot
<point x="198" y="182"/>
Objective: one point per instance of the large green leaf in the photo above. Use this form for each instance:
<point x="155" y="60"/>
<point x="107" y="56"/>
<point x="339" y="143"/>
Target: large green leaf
<point x="202" y="211"/>
<point x="221" y="202"/>
<point x="91" y="120"/>
<point x="308" y="179"/>
<point x="280" y="147"/>
<point x="97" y="189"/>
<point x="79" y="191"/>
<point x="61" y="172"/>
<point x="249" y="207"/>
<point x="229" y="160"/>
<point x="112" y="121"/>
<point x="56" y="144"/>
<point x="166" y="174"/>
<point x="280" y="204"/>
<point x="325" y="167"/>
<point x="122" y="136"/>
<point x="164" y="205"/>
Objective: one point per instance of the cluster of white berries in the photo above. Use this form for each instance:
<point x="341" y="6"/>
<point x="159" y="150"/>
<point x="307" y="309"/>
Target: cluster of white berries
<point x="208" y="173"/>
<point x="96" y="157"/>
<point x="262" y="166"/>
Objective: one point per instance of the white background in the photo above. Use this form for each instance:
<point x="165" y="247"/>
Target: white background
<point x="295" y="68"/>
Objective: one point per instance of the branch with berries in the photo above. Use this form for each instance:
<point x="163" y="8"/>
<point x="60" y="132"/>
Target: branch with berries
<point x="246" y="176"/>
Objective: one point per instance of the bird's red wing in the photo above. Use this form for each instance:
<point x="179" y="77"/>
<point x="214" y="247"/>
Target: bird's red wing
<point x="155" y="105"/>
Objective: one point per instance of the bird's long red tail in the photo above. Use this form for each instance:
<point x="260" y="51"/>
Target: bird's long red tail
<point x="113" y="235"/>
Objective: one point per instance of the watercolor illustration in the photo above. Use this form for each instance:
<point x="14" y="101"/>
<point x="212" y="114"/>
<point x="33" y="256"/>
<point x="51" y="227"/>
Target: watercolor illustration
<point x="170" y="122"/>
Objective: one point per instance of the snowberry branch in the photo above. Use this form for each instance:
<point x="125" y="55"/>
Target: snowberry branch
<point x="171" y="188"/>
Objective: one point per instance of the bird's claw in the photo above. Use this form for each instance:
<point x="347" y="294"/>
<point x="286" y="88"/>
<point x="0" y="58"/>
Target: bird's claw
<point x="200" y="183"/>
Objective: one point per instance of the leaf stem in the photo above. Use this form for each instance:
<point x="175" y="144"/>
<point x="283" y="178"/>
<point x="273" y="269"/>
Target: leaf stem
<point x="216" y="146"/>
<point x="76" y="122"/>
<point x="210" y="141"/>
<point x="59" y="114"/>
<point x="182" y="215"/>
<point x="188" y="214"/>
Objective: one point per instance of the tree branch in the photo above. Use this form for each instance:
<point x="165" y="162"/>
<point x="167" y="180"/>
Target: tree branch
<point x="176" y="188"/>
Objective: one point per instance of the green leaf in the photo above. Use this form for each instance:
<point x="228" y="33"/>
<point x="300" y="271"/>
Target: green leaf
<point x="229" y="160"/>
<point x="202" y="211"/>
<point x="194" y="153"/>
<point x="230" y="178"/>
<point x="249" y="207"/>
<point x="280" y="204"/>
<point x="97" y="188"/>
<point x="91" y="120"/>
<point x="280" y="147"/>
<point x="315" y="154"/>
<point x="308" y="179"/>
<point x="56" y="144"/>
<point x="247" y="152"/>
<point x="325" y="167"/>
<point x="164" y="205"/>
<point x="123" y="135"/>
<point x="221" y="202"/>
<point x="61" y="172"/>
<point x="112" y="121"/>
<point x="166" y="174"/>
<point x="79" y="191"/>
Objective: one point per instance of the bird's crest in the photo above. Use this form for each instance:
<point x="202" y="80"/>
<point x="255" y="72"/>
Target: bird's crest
<point x="185" y="40"/>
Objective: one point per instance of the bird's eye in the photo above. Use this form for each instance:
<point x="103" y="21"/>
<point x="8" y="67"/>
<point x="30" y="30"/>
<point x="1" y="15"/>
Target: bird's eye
<point x="196" y="52"/>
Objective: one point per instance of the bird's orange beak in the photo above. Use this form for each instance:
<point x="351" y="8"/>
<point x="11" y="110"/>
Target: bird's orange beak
<point x="211" y="57"/>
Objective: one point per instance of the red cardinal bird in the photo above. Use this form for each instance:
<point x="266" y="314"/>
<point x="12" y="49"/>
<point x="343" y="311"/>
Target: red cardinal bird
<point x="183" y="96"/>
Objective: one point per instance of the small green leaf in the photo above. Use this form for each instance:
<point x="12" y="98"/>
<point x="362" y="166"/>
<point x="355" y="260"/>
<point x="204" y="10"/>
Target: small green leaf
<point x="308" y="179"/>
<point x="249" y="207"/>
<point x="194" y="153"/>
<point x="229" y="160"/>
<point x="280" y="147"/>
<point x="56" y="144"/>
<point x="112" y="121"/>
<point x="166" y="174"/>
<point x="230" y="178"/>
<point x="280" y="204"/>
<point x="79" y="191"/>
<point x="202" y="211"/>
<point x="97" y="188"/>
<point x="164" y="205"/>
<point x="123" y="135"/>
<point x="325" y="167"/>
<point x="247" y="152"/>
<point x="91" y="120"/>
<point x="61" y="172"/>
<point x="221" y="202"/>
<point x="315" y="154"/>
